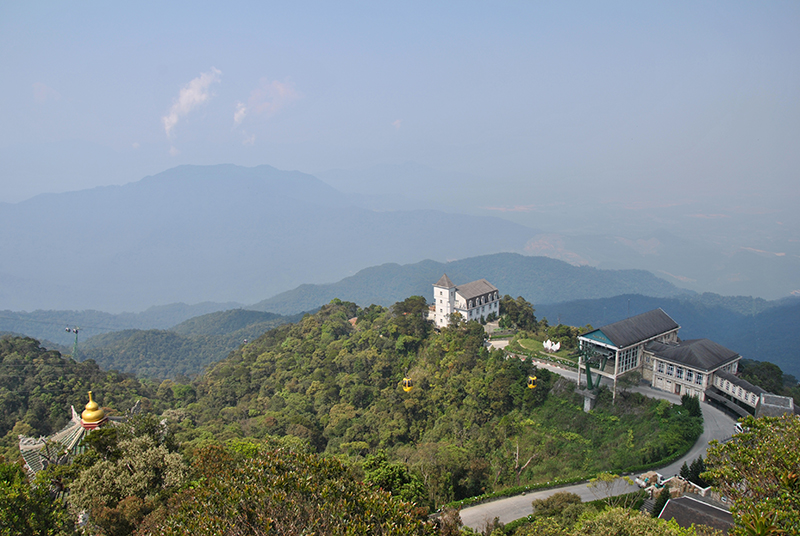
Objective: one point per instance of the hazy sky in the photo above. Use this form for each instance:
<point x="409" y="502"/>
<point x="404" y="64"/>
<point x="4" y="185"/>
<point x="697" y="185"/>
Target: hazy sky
<point x="680" y="98"/>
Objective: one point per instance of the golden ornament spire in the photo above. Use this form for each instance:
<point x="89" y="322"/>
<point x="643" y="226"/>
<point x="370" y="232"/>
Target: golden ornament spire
<point x="93" y="414"/>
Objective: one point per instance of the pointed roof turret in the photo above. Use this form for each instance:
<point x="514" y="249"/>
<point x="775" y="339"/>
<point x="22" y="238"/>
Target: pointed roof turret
<point x="444" y="282"/>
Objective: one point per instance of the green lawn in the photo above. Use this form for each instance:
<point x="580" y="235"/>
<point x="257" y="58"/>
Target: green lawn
<point x="535" y="346"/>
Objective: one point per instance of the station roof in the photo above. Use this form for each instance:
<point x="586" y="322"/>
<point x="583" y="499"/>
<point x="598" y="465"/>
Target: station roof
<point x="635" y="329"/>
<point x="701" y="354"/>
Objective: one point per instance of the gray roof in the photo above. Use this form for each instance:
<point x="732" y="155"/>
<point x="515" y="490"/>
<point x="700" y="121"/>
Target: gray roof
<point x="701" y="354"/>
<point x="475" y="289"/>
<point x="639" y="328"/>
<point x="736" y="380"/>
<point x="688" y="510"/>
<point x="444" y="281"/>
<point x="770" y="405"/>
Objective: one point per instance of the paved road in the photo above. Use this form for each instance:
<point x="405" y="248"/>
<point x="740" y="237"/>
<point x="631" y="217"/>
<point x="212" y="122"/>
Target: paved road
<point x="717" y="425"/>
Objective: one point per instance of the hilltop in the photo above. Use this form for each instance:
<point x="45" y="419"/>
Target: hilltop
<point x="538" y="279"/>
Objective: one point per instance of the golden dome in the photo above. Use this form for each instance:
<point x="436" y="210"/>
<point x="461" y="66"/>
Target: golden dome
<point x="93" y="412"/>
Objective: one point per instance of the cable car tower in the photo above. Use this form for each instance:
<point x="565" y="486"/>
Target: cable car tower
<point x="74" y="346"/>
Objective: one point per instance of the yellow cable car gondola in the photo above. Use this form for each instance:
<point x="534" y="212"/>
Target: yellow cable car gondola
<point x="531" y="382"/>
<point x="407" y="384"/>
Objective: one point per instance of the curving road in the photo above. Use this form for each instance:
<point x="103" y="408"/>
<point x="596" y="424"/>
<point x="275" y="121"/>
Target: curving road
<point x="716" y="425"/>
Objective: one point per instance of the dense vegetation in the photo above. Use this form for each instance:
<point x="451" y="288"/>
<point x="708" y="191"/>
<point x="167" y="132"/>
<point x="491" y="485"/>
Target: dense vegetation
<point x="184" y="350"/>
<point x="37" y="388"/>
<point x="759" y="471"/>
<point x="467" y="427"/>
<point x="320" y="401"/>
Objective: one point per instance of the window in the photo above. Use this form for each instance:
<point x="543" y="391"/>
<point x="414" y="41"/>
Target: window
<point x="660" y="367"/>
<point x="689" y="376"/>
<point x="698" y="379"/>
<point x="679" y="373"/>
<point x="739" y="392"/>
<point x="670" y="370"/>
<point x="628" y="359"/>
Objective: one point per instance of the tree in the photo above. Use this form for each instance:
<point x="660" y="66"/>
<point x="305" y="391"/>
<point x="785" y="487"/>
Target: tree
<point x="697" y="468"/>
<point x="692" y="405"/>
<point x="685" y="471"/>
<point x="394" y="478"/>
<point x="119" y="492"/>
<point x="555" y="504"/>
<point x="758" y="470"/>
<point x="517" y="313"/>
<point x="661" y="501"/>
<point x="609" y="487"/>
<point x="28" y="510"/>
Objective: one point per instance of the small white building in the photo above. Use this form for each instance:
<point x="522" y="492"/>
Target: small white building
<point x="473" y="301"/>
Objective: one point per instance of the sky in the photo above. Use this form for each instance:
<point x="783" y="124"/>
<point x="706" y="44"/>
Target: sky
<point x="648" y="100"/>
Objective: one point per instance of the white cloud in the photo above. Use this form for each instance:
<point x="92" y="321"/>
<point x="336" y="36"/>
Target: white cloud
<point x="249" y="140"/>
<point x="173" y="151"/>
<point x="135" y="145"/>
<point x="44" y="93"/>
<point x="191" y="95"/>
<point x="396" y="124"/>
<point x="266" y="100"/>
<point x="241" y="111"/>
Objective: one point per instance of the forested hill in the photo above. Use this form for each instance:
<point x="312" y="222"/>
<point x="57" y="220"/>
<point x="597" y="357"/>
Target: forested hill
<point x="538" y="279"/>
<point x="186" y="349"/>
<point x="49" y="325"/>
<point x="337" y="384"/>
<point x="757" y="329"/>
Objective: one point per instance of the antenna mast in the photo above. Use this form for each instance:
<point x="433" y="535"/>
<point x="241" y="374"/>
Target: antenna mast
<point x="74" y="346"/>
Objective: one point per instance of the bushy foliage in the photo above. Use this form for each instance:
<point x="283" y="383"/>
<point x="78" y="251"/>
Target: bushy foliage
<point x="280" y="492"/>
<point x="28" y="510"/>
<point x="692" y="405"/>
<point x="609" y="522"/>
<point x="661" y="501"/>
<point x="758" y="470"/>
<point x="517" y="313"/>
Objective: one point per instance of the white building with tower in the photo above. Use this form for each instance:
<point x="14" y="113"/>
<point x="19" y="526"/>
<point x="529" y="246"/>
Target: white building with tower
<point x="473" y="301"/>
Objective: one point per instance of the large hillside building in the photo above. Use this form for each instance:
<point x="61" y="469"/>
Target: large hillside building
<point x="649" y="343"/>
<point x="617" y="348"/>
<point x="473" y="301"/>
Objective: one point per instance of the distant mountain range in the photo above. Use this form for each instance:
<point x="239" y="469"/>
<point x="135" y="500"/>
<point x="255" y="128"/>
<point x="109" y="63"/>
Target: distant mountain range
<point x="214" y="233"/>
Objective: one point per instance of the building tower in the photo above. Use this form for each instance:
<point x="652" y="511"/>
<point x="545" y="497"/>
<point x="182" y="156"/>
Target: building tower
<point x="444" y="300"/>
